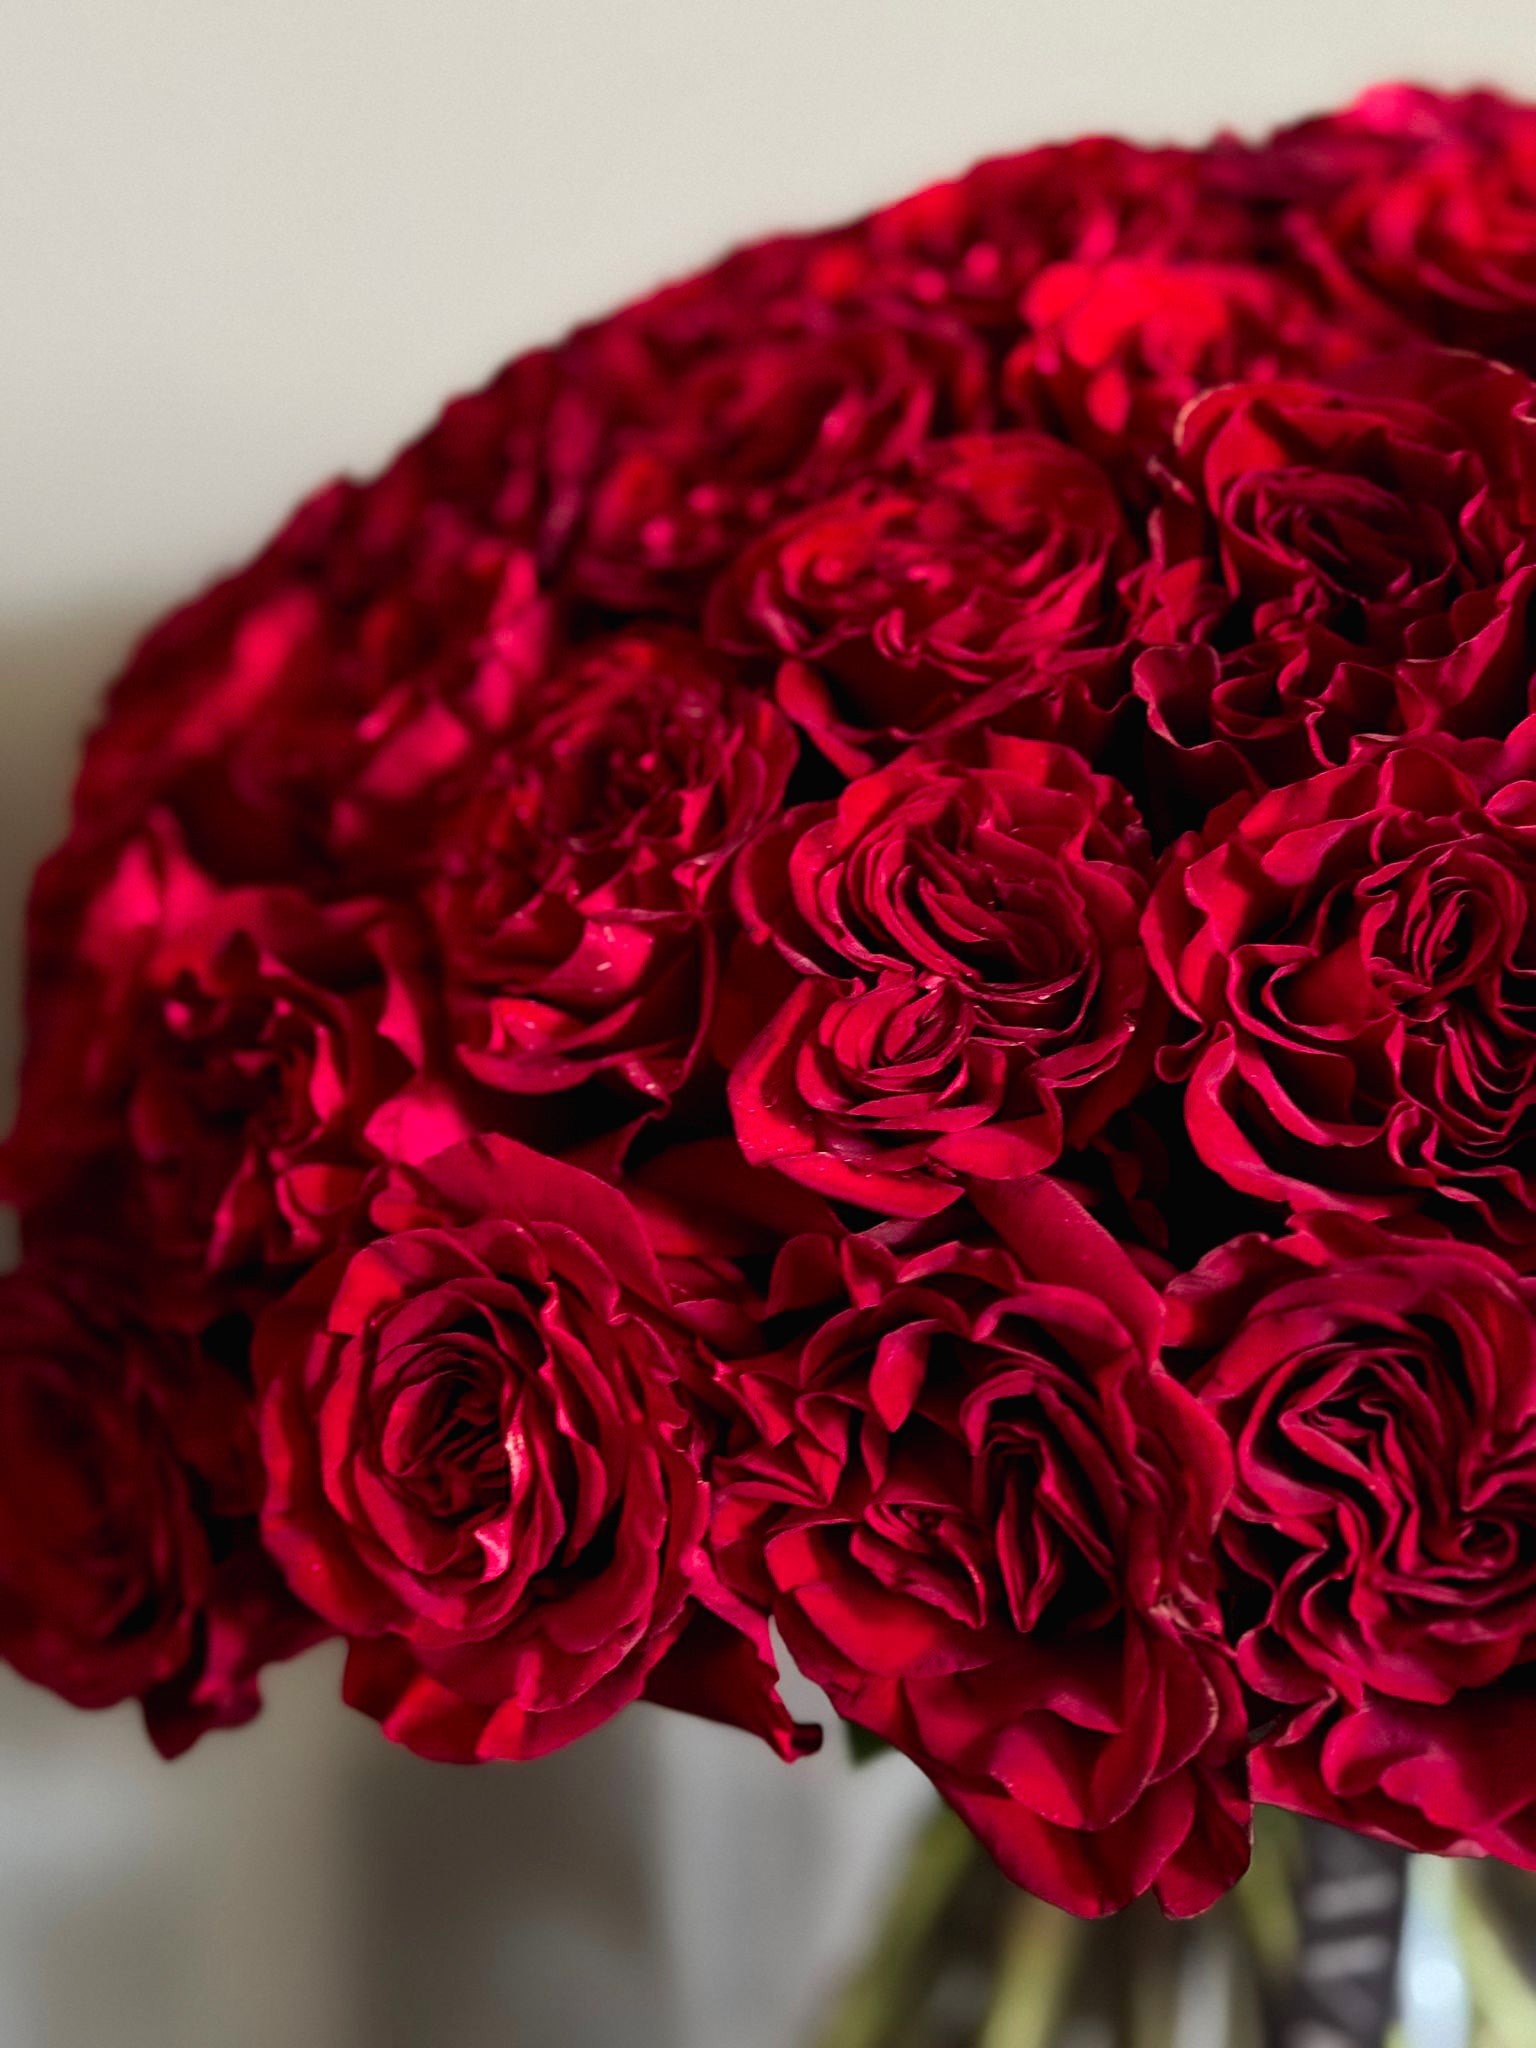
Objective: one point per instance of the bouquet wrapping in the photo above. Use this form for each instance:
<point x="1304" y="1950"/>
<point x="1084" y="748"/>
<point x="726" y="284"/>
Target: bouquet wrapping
<point x="852" y="967"/>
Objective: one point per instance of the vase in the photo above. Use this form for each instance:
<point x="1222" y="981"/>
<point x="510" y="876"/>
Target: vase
<point x="1332" y="1940"/>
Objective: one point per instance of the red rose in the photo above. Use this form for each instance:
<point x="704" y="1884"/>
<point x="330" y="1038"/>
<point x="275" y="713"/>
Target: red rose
<point x="979" y="585"/>
<point x="1359" y="953"/>
<point x="1115" y="348"/>
<point x="693" y="799"/>
<point x="482" y="1468"/>
<point x="982" y="1516"/>
<point x="580" y="893"/>
<point x="222" y="1068"/>
<point x="1334" y="562"/>
<point x="1379" y="1396"/>
<point x="129" y="1566"/>
<point x="973" y="245"/>
<point x="309" y="719"/>
<point x="1443" y="227"/>
<point x="697" y="440"/>
<point x="1301" y="168"/>
<point x="978" y="995"/>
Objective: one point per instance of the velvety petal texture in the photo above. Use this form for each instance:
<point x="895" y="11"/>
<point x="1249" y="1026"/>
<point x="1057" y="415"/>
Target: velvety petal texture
<point x="1379" y="1394"/>
<point x="968" y="989"/>
<point x="1357" y="952"/>
<point x="1335" y="562"/>
<point x="855" y="955"/>
<point x="129" y="1483"/>
<point x="982" y="1514"/>
<point x="480" y="1466"/>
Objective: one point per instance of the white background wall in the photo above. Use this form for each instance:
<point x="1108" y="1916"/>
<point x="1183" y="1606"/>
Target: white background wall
<point x="244" y="243"/>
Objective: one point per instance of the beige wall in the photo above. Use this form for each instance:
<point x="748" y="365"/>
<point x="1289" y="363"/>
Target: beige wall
<point x="247" y="242"/>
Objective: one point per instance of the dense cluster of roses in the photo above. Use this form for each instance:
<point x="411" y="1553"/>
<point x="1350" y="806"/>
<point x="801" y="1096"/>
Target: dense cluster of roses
<point x="857" y="957"/>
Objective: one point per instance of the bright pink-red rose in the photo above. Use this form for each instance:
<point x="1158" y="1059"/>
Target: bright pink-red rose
<point x="1358" y="953"/>
<point x="482" y="1467"/>
<point x="580" y="895"/>
<point x="963" y="989"/>
<point x="1336" y="562"/>
<point x="1379" y="1395"/>
<point x="983" y="1516"/>
<point x="978" y="586"/>
<point x="1115" y="347"/>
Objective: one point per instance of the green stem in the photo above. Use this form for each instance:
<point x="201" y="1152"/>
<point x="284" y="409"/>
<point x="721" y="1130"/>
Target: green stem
<point x="873" y="2005"/>
<point x="1035" y="1971"/>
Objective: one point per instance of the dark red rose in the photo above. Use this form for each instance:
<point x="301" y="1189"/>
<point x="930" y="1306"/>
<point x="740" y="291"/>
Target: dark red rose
<point x="482" y="1468"/>
<point x="972" y="246"/>
<point x="696" y="442"/>
<point x="1332" y="562"/>
<point x="129" y="1565"/>
<point x="1298" y="170"/>
<point x="1359" y="954"/>
<point x="977" y="993"/>
<point x="1442" y="226"/>
<point x="1379" y="1395"/>
<point x="980" y="585"/>
<point x="579" y="896"/>
<point x="104" y="1562"/>
<point x="309" y="719"/>
<point x="223" y="1068"/>
<point x="1115" y="347"/>
<point x="982" y="1516"/>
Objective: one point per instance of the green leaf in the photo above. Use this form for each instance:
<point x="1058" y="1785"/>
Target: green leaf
<point x="862" y="1746"/>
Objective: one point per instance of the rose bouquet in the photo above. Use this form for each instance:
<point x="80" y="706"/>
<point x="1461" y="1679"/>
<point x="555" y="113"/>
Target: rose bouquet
<point x="857" y="956"/>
